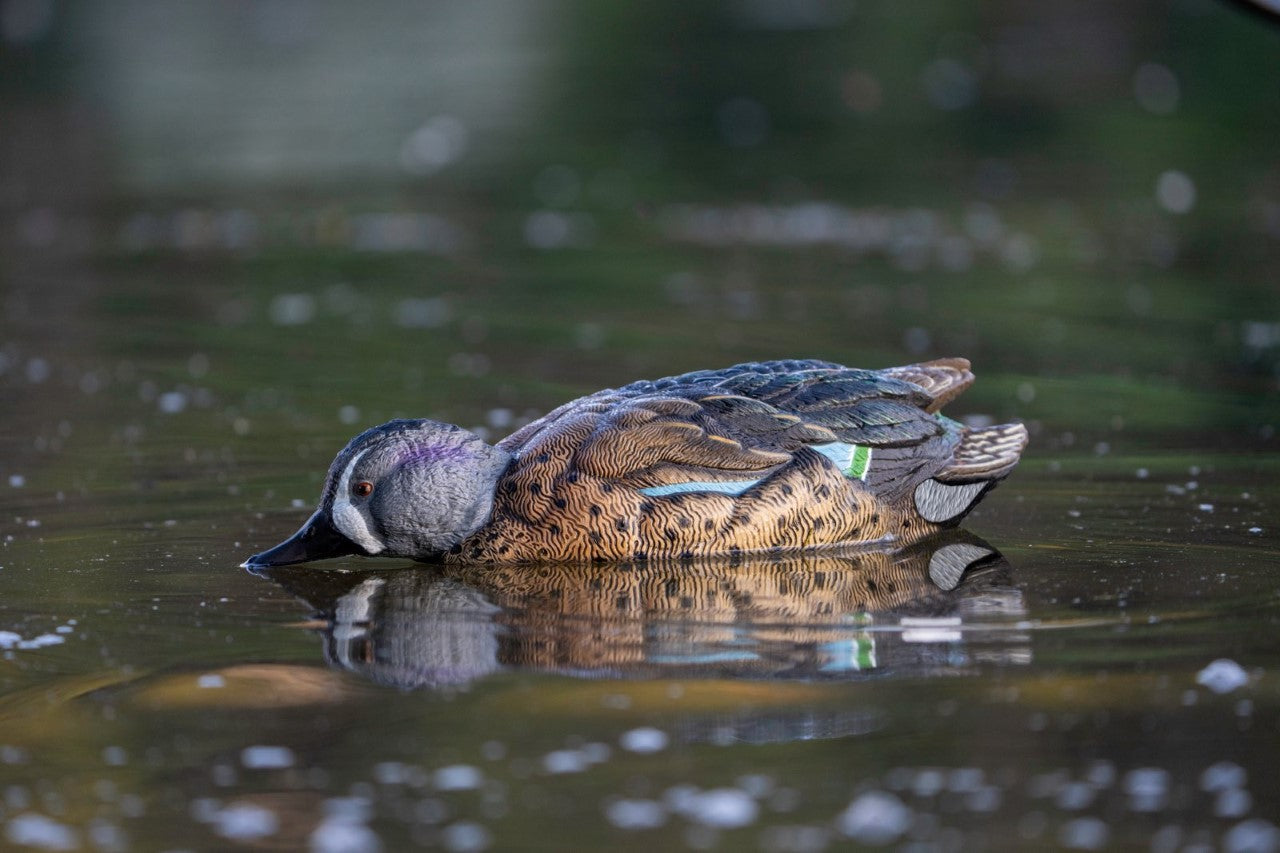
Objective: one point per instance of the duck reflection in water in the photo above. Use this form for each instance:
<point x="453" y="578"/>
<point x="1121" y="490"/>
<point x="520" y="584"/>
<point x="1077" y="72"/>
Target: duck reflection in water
<point x="943" y="604"/>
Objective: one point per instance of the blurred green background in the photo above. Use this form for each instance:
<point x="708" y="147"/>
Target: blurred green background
<point x="325" y="214"/>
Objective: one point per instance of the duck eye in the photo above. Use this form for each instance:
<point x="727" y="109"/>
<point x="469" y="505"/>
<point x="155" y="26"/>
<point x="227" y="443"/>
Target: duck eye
<point x="362" y="489"/>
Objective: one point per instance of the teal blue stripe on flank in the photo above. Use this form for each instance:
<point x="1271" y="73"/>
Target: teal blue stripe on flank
<point x="853" y="460"/>
<point x="732" y="487"/>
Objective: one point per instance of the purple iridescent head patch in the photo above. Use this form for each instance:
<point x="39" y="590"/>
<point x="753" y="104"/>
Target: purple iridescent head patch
<point x="432" y="453"/>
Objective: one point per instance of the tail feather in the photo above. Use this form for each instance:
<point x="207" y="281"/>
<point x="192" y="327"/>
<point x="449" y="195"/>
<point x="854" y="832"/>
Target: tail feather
<point x="985" y="454"/>
<point x="943" y="379"/>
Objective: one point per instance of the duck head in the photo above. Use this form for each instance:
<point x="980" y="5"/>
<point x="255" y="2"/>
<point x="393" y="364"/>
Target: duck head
<point x="408" y="488"/>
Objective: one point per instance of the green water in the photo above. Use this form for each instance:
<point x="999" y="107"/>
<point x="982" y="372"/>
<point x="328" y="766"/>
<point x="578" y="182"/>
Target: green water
<point x="225" y="250"/>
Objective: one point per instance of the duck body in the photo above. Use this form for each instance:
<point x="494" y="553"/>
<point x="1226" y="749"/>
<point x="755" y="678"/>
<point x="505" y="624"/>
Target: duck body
<point x="773" y="456"/>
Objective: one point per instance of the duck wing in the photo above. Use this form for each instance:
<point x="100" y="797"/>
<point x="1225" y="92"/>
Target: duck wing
<point x="736" y="425"/>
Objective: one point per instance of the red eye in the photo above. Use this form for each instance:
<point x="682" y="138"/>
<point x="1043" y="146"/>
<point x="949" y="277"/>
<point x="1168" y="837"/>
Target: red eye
<point x="362" y="489"/>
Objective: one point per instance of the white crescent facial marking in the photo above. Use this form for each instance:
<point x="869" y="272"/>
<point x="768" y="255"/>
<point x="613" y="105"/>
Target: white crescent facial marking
<point x="350" y="521"/>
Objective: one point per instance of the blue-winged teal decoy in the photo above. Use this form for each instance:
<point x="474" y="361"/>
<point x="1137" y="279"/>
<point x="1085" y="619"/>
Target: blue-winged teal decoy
<point x="759" y="457"/>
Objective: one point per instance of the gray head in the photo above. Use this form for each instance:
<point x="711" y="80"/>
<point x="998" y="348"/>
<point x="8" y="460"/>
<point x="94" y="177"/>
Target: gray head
<point x="408" y="488"/>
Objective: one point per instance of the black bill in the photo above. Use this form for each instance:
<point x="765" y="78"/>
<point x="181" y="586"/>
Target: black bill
<point x="318" y="539"/>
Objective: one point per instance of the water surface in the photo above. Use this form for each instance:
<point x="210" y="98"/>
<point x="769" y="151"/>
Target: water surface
<point x="221" y="260"/>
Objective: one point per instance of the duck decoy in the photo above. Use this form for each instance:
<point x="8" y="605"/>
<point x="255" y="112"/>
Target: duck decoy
<point x="768" y="456"/>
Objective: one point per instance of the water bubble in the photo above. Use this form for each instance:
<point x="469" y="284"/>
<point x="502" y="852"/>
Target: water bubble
<point x="458" y="777"/>
<point x="1222" y="775"/>
<point x="349" y="415"/>
<point x="12" y="754"/>
<point x="465" y="837"/>
<point x="1084" y="833"/>
<point x="1101" y="774"/>
<point x="1259" y="335"/>
<point x="114" y="756"/>
<point x="795" y="839"/>
<point x="985" y="799"/>
<point x="1233" y="802"/>
<point x="245" y="821"/>
<point x="1175" y="191"/>
<point x="38" y="370"/>
<point x="876" y="817"/>
<point x="107" y="836"/>
<point x="1156" y="88"/>
<point x="341" y="835"/>
<point x="211" y="681"/>
<point x="1147" y="788"/>
<point x="389" y="772"/>
<point x="928" y="782"/>
<point x="429" y="313"/>
<point x="34" y="830"/>
<point x="550" y="229"/>
<point x="1074" y="796"/>
<point x="723" y="808"/>
<point x="1222" y="676"/>
<point x="266" y="757"/>
<point x="644" y="739"/>
<point x="756" y="784"/>
<point x="564" y="761"/>
<point x="1252" y="836"/>
<point x="17" y="481"/>
<point x="1020" y="252"/>
<point x="292" y="309"/>
<point x="437" y="143"/>
<point x="636" y="814"/>
<point x="198" y="365"/>
<point x="172" y="402"/>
